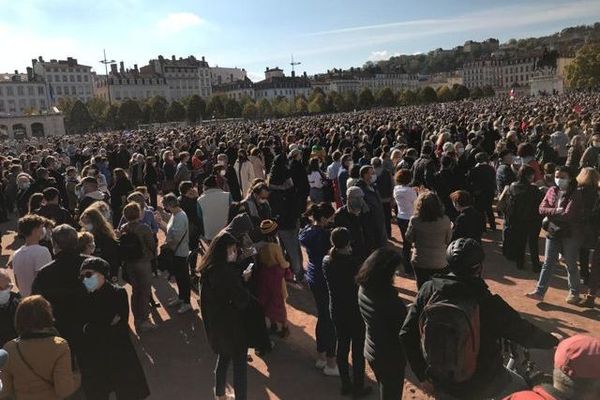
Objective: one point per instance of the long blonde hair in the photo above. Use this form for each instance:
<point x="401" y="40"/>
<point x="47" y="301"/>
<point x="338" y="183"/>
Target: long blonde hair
<point x="588" y="177"/>
<point x="100" y="224"/>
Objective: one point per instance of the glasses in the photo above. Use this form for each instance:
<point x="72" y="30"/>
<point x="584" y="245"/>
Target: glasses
<point x="87" y="274"/>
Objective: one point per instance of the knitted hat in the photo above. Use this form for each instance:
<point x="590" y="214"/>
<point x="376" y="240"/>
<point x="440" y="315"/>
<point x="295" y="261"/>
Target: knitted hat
<point x="268" y="227"/>
<point x="96" y="264"/>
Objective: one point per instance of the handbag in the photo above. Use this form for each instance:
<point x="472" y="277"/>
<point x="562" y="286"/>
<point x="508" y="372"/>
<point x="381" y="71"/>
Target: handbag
<point x="166" y="256"/>
<point x="555" y="229"/>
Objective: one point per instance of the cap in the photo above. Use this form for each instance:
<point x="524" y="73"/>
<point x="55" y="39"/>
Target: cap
<point x="96" y="264"/>
<point x="268" y="226"/>
<point x="579" y="357"/>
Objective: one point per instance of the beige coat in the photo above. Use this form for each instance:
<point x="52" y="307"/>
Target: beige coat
<point x="50" y="358"/>
<point x="430" y="240"/>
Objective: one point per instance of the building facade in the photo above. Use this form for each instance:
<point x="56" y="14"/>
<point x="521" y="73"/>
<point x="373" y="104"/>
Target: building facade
<point x="64" y="78"/>
<point x="276" y="85"/>
<point x="236" y="90"/>
<point x="222" y="76"/>
<point x="130" y="84"/>
<point x="39" y="126"/>
<point x="499" y="72"/>
<point x="22" y="94"/>
<point x="518" y="71"/>
<point x="185" y="76"/>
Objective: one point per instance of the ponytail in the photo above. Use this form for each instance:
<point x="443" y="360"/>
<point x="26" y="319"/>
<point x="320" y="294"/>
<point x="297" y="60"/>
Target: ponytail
<point x="316" y="212"/>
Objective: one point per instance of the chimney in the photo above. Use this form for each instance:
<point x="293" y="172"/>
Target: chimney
<point x="16" y="72"/>
<point x="202" y="58"/>
<point x="135" y="67"/>
<point x="293" y="74"/>
<point x="40" y="59"/>
<point x="122" y="67"/>
<point x="304" y="74"/>
<point x="29" y="73"/>
<point x="173" y="58"/>
<point x="113" y="69"/>
<point x="33" y="61"/>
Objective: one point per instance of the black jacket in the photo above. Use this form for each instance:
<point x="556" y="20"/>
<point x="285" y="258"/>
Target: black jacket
<point x="377" y="236"/>
<point x="300" y="179"/>
<point x="445" y="182"/>
<point x="223" y="303"/>
<point x="7" y="319"/>
<point x="423" y="171"/>
<point x="497" y="318"/>
<point x="59" y="283"/>
<point x="108" y="360"/>
<point x="470" y="223"/>
<point x="383" y="313"/>
<point x="523" y="205"/>
<point x="504" y="176"/>
<point x="108" y="249"/>
<point x="482" y="181"/>
<point x="57" y="214"/>
<point x="23" y="200"/>
<point x="340" y="271"/>
<point x="190" y="207"/>
<point x="358" y="225"/>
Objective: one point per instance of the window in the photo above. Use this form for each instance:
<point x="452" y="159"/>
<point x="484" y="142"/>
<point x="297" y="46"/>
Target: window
<point x="85" y="78"/>
<point x="56" y="78"/>
<point x="31" y="102"/>
<point x="78" y="78"/>
<point x="12" y="107"/>
<point x="59" y="90"/>
<point x="71" y="78"/>
<point x="20" y="91"/>
<point x="49" y="78"/>
<point x="64" y="78"/>
<point x="2" y="109"/>
<point x="73" y="90"/>
<point x="41" y="90"/>
<point x="42" y="103"/>
<point x="22" y="104"/>
<point x="30" y="91"/>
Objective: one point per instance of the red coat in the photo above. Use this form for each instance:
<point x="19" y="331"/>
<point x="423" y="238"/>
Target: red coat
<point x="538" y="393"/>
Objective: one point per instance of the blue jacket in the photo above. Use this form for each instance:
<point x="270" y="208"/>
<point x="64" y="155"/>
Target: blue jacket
<point x="316" y="241"/>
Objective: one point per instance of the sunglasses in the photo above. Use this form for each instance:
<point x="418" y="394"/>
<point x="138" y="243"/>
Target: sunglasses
<point x="87" y="274"/>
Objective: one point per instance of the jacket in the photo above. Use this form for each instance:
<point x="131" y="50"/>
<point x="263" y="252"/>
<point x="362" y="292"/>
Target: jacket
<point x="283" y="205"/>
<point x="233" y="184"/>
<point x="245" y="175"/>
<point x="358" y="225"/>
<point x="258" y="165"/>
<point x="340" y="271"/>
<point x="430" y="240"/>
<point x="497" y="320"/>
<point x="108" y="359"/>
<point x="59" y="283"/>
<point x="383" y="313"/>
<point x="423" y="171"/>
<point x="590" y="158"/>
<point x="572" y="209"/>
<point x="482" y="181"/>
<point x="470" y="223"/>
<point x="107" y="248"/>
<point x="7" y="318"/>
<point x="223" y="302"/>
<point x="50" y="357"/>
<point x="504" y="176"/>
<point x="316" y="241"/>
<point x="145" y="236"/>
<point x="522" y="209"/>
<point x="57" y="214"/>
<point x="377" y="235"/>
<point x="190" y="207"/>
<point x="445" y="182"/>
<point x="89" y="199"/>
<point x="213" y="211"/>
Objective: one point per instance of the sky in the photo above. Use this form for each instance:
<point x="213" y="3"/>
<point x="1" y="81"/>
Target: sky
<point x="255" y="34"/>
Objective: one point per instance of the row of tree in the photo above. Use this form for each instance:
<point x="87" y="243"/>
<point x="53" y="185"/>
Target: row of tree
<point x="96" y="114"/>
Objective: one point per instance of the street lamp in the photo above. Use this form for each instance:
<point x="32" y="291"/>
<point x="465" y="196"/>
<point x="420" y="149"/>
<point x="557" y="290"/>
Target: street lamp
<point x="293" y="64"/>
<point x="106" y="62"/>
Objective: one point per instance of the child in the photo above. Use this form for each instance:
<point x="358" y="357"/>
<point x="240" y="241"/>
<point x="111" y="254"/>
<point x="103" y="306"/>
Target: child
<point x="270" y="283"/>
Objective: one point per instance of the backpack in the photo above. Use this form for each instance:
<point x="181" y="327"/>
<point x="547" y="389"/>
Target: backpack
<point x="130" y="247"/>
<point x="450" y="338"/>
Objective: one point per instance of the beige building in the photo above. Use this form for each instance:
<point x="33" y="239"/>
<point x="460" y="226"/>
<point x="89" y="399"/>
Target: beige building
<point x="236" y="90"/>
<point x="185" y="76"/>
<point x="276" y="85"/>
<point x="499" y="72"/>
<point x="130" y="84"/>
<point x="22" y="94"/>
<point x="222" y="76"/>
<point x="38" y="126"/>
<point x="64" y="78"/>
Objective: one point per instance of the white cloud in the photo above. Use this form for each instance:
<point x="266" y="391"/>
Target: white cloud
<point x="381" y="55"/>
<point x="177" y="22"/>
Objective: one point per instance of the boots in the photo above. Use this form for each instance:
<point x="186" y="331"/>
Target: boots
<point x="589" y="301"/>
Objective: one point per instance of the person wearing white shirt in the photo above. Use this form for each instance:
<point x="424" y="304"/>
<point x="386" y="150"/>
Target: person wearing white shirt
<point x="405" y="197"/>
<point x="31" y="257"/>
<point x="315" y="181"/>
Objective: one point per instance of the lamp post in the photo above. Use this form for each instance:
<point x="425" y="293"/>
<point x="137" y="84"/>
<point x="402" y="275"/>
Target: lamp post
<point x="293" y="64"/>
<point x="106" y="62"/>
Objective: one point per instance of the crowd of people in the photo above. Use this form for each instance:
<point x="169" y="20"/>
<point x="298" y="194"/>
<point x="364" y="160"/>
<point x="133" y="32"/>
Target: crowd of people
<point x="238" y="201"/>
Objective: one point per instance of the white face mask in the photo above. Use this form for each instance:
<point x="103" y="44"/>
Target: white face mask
<point x="4" y="296"/>
<point x="89" y="227"/>
<point x="596" y="144"/>
<point x="562" y="183"/>
<point x="223" y="172"/>
<point x="373" y="178"/>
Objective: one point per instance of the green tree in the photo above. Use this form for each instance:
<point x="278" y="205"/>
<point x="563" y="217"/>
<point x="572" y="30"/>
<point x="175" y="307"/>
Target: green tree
<point x="351" y="100"/>
<point x="386" y="98"/>
<point x="146" y="113"/>
<point x="65" y="104"/>
<point x="264" y="108"/>
<point x="444" y="94"/>
<point x="159" y="109"/>
<point x="196" y="108"/>
<point x="317" y="105"/>
<point x="79" y="118"/>
<point x="110" y="116"/>
<point x="584" y="71"/>
<point x="130" y="114"/>
<point x="281" y="107"/>
<point x="316" y="91"/>
<point x="408" y="98"/>
<point x="459" y="92"/>
<point x="488" y="91"/>
<point x="97" y="108"/>
<point x="427" y="95"/>
<point x="232" y="108"/>
<point x="365" y="99"/>
<point x="215" y="107"/>
<point x="476" y="93"/>
<point x="249" y="110"/>
<point x="301" y="105"/>
<point x="175" y="111"/>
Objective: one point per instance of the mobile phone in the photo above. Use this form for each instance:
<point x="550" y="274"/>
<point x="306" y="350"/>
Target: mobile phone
<point x="249" y="268"/>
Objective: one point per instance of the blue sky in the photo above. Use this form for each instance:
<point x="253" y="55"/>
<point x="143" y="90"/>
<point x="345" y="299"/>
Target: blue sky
<point x="260" y="33"/>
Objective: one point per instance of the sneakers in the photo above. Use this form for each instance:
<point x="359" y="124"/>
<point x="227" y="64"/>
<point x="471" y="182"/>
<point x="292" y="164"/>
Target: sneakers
<point x="589" y="301"/>
<point x="174" y="302"/>
<point x="331" y="371"/>
<point x="535" y="296"/>
<point x="185" y="307"/>
<point x="320" y="364"/>
<point x="573" y="299"/>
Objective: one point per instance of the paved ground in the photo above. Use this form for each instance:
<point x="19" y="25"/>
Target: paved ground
<point x="179" y="363"/>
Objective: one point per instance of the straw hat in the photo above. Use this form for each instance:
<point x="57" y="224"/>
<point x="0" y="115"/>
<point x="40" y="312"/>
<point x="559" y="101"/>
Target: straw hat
<point x="268" y="226"/>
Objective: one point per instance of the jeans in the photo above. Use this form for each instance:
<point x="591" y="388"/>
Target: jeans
<point x="390" y="379"/>
<point x="240" y="381"/>
<point x="569" y="248"/>
<point x="182" y="277"/>
<point x="291" y="245"/>
<point x="406" y="245"/>
<point x="325" y="330"/>
<point x="140" y="276"/>
<point x="351" y="332"/>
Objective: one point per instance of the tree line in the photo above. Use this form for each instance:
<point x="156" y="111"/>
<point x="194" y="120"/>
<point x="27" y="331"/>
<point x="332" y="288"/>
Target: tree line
<point x="97" y="115"/>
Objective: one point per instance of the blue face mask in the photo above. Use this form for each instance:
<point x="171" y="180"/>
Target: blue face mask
<point x="91" y="283"/>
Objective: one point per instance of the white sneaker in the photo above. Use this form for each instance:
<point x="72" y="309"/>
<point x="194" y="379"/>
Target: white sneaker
<point x="185" y="307"/>
<point x="320" y="364"/>
<point x="174" y="302"/>
<point x="331" y="371"/>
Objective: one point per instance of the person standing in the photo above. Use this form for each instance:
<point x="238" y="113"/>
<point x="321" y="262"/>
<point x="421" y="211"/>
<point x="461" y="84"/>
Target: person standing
<point x="223" y="303"/>
<point x="9" y="300"/>
<point x="109" y="362"/>
<point x="30" y="258"/>
<point x="340" y="268"/>
<point x="469" y="223"/>
<point x="182" y="173"/>
<point x="121" y="188"/>
<point x="482" y="184"/>
<point x="213" y="208"/>
<point x="177" y="239"/>
<point x="315" y="181"/>
<point x="352" y="217"/>
<point x="383" y="185"/>
<point x="383" y="313"/>
<point x="377" y="236"/>
<point x="405" y="197"/>
<point x="107" y="246"/>
<point x="244" y="171"/>
<point x="430" y="231"/>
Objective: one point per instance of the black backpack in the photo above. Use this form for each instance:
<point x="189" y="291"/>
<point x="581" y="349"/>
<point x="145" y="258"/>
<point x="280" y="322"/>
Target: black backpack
<point x="130" y="247"/>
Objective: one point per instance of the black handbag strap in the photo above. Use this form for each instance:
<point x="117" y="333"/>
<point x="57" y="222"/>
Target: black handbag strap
<point x="49" y="382"/>
<point x="180" y="241"/>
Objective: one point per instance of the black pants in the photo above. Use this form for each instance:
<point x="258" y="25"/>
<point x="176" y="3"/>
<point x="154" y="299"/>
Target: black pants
<point x="240" y="380"/>
<point x="406" y="245"/>
<point x="351" y="331"/>
<point x="390" y="379"/>
<point x="521" y="236"/>
<point x="153" y="194"/>
<point x="387" y="215"/>
<point x="182" y="277"/>
<point x="584" y="263"/>
<point x="483" y="204"/>
<point x="325" y="330"/>
<point x="424" y="274"/>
